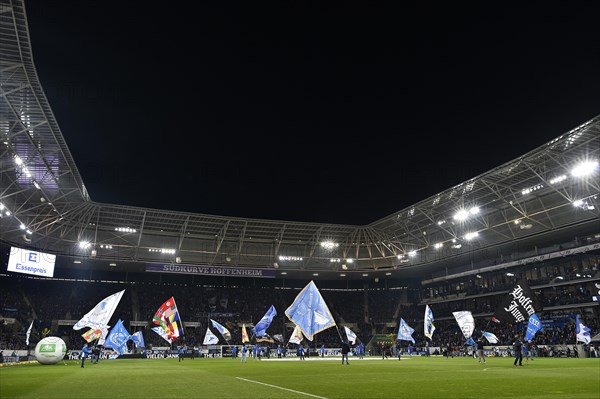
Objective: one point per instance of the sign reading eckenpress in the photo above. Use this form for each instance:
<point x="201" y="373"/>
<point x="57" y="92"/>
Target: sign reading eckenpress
<point x="31" y="262"/>
<point x="209" y="270"/>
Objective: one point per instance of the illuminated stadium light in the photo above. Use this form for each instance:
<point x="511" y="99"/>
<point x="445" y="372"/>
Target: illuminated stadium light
<point x="22" y="226"/>
<point x="388" y="273"/>
<point x="584" y="204"/>
<point x="291" y="258"/>
<point x="84" y="244"/>
<point x="112" y="264"/>
<point x="167" y="251"/>
<point x="125" y="230"/>
<point x="438" y="245"/>
<point x="315" y="274"/>
<point x="532" y="189"/>
<point x="558" y="179"/>
<point x="36" y="185"/>
<point x="350" y="260"/>
<point x="344" y="266"/>
<point x="365" y="275"/>
<point x="517" y="221"/>
<point x="475" y="210"/>
<point x="342" y="274"/>
<point x="441" y="222"/>
<point x="329" y="245"/>
<point x="400" y="256"/>
<point x="18" y="160"/>
<point x="461" y="215"/>
<point x="412" y="254"/>
<point x="526" y="226"/>
<point x="455" y="244"/>
<point x="471" y="236"/>
<point x="284" y="273"/>
<point x="77" y="261"/>
<point x="28" y="232"/>
<point x="335" y="260"/>
<point x="584" y="168"/>
<point x="105" y="246"/>
<point x="509" y="274"/>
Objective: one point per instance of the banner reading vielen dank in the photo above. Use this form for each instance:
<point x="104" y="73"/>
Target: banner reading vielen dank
<point x="209" y="270"/>
<point x="519" y="305"/>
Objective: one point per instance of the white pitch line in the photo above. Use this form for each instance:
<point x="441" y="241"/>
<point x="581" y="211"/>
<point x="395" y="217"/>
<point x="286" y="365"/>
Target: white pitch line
<point x="285" y="389"/>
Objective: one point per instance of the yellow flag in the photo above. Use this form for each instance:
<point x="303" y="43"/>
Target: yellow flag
<point x="92" y="334"/>
<point x="244" y="334"/>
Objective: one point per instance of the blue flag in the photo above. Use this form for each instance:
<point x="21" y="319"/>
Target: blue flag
<point x="309" y="312"/>
<point x="533" y="326"/>
<point x="261" y="327"/>
<point x="117" y="338"/>
<point x="224" y="332"/>
<point x="138" y="339"/>
<point x="583" y="333"/>
<point x="471" y="342"/>
<point x="405" y="332"/>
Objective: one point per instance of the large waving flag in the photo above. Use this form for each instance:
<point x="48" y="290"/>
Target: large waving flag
<point x="167" y="316"/>
<point x="520" y="303"/>
<point x="310" y="312"/>
<point x="471" y="342"/>
<point x="100" y="315"/>
<point x="405" y="332"/>
<point x="138" y="339"/>
<point x="222" y="330"/>
<point x="491" y="337"/>
<point x="466" y="322"/>
<point x="350" y="335"/>
<point x="296" y="336"/>
<point x="533" y="326"/>
<point x="159" y="330"/>
<point x="428" y="327"/>
<point x="584" y="334"/>
<point x="103" y="335"/>
<point x="28" y="333"/>
<point x="210" y="338"/>
<point x="261" y="327"/>
<point x="244" y="334"/>
<point x="117" y="338"/>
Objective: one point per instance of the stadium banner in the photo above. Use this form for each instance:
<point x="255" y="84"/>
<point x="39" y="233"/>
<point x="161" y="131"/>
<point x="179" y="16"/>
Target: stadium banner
<point x="209" y="270"/>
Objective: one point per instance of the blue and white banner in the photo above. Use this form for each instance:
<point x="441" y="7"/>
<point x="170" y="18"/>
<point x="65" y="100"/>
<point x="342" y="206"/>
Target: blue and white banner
<point x="466" y="322"/>
<point x="350" y="335"/>
<point x="210" y="338"/>
<point x="222" y="330"/>
<point x="209" y="270"/>
<point x="533" y="327"/>
<point x="261" y="327"/>
<point x="117" y="338"/>
<point x="584" y="334"/>
<point x="491" y="337"/>
<point x="310" y="312"/>
<point x="138" y="339"/>
<point x="160" y="331"/>
<point x="99" y="316"/>
<point x="428" y="327"/>
<point x="405" y="332"/>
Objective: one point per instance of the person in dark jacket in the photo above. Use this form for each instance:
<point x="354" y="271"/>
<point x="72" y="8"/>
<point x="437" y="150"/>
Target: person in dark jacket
<point x="345" y="351"/>
<point x="517" y="348"/>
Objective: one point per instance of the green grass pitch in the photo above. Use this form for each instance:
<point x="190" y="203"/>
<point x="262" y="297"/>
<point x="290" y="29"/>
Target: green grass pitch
<point x="417" y="377"/>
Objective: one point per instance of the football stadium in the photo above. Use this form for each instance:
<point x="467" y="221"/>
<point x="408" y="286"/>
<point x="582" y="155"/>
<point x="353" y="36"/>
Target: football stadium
<point x="490" y="288"/>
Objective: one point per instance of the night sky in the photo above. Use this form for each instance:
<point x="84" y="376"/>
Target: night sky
<point x="320" y="112"/>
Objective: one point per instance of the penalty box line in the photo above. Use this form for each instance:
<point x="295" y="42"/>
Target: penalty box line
<point x="285" y="389"/>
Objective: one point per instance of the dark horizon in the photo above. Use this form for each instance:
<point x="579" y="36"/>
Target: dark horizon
<point x="308" y="113"/>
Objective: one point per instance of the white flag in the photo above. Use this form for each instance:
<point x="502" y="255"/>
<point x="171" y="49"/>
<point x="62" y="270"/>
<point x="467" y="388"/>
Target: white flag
<point x="210" y="338"/>
<point x="159" y="330"/>
<point x="491" y="337"/>
<point x="28" y="333"/>
<point x="99" y="316"/>
<point x="102" y="338"/>
<point x="296" y="336"/>
<point x="350" y="334"/>
<point x="465" y="322"/>
<point x="428" y="327"/>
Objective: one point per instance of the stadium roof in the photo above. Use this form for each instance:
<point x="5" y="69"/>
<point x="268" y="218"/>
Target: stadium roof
<point x="534" y="200"/>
